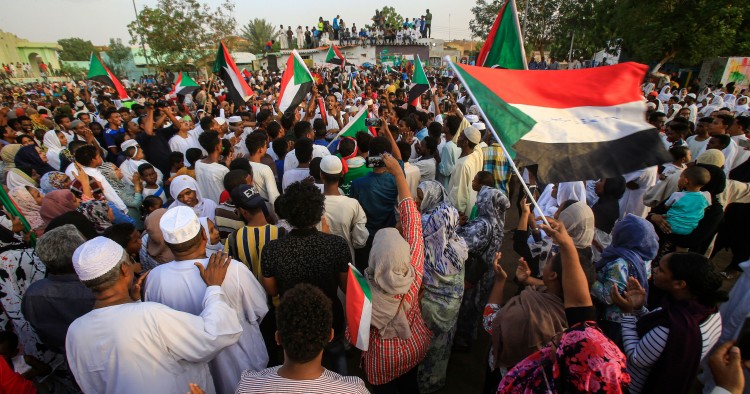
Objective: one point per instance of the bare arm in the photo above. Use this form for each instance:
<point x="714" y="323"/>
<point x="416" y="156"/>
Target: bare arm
<point x="575" y="288"/>
<point x="384" y="131"/>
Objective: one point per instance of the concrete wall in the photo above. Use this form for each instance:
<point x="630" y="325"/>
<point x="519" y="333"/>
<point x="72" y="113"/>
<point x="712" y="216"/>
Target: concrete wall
<point x="14" y="49"/>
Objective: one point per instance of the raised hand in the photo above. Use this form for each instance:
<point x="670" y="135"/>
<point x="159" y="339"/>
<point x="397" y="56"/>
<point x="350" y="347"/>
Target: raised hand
<point x="522" y="271"/>
<point x="500" y="274"/>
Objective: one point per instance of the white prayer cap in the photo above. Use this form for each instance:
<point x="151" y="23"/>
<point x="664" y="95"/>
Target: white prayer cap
<point x="472" y="134"/>
<point x="368" y="102"/>
<point x="353" y="109"/>
<point x="472" y="118"/>
<point x="234" y="119"/>
<point x="128" y="144"/>
<point x="80" y="104"/>
<point x="179" y="224"/>
<point x="479" y="126"/>
<point x="692" y="95"/>
<point x="220" y="120"/>
<point x="651" y="105"/>
<point x="96" y="257"/>
<point x="331" y="165"/>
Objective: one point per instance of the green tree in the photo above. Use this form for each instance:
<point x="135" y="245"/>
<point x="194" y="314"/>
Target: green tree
<point x="73" y="71"/>
<point x="182" y="32"/>
<point x="118" y="54"/>
<point x="257" y="32"/>
<point x="75" y="49"/>
<point x="391" y="17"/>
<point x="484" y="15"/>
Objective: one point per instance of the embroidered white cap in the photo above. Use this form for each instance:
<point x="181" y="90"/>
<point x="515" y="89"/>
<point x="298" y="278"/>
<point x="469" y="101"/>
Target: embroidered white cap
<point x="96" y="257"/>
<point x="179" y="224"/>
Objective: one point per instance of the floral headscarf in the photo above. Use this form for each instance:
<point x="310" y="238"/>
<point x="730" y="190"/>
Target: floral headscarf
<point x="97" y="212"/>
<point x="53" y="180"/>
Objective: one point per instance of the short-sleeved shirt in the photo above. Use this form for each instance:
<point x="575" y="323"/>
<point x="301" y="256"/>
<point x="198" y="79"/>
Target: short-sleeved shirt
<point x="247" y="243"/>
<point x="686" y="210"/>
<point x="110" y="137"/>
<point x="309" y="256"/>
<point x="377" y="194"/>
<point x="269" y="381"/>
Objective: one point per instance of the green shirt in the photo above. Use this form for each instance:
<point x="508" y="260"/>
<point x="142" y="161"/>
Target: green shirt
<point x="351" y="175"/>
<point x="428" y="18"/>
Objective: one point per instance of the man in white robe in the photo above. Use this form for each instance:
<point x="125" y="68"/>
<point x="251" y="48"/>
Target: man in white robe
<point x="467" y="166"/>
<point x="178" y="285"/>
<point x="637" y="184"/>
<point x="125" y="346"/>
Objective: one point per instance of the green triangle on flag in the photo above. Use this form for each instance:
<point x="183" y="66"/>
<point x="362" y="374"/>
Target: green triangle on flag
<point x="504" y="45"/>
<point x="100" y="73"/>
<point x="183" y="86"/>
<point x="358" y="308"/>
<point x="296" y="83"/>
<point x="355" y="125"/>
<point x="419" y="83"/>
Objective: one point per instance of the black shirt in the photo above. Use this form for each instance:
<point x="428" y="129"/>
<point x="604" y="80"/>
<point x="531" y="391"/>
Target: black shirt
<point x="309" y="256"/>
<point x="156" y="147"/>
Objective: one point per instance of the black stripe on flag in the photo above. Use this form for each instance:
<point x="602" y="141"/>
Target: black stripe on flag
<point x="567" y="162"/>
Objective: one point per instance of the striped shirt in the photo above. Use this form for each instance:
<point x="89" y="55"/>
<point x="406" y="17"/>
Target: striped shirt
<point x="227" y="219"/>
<point x="268" y="381"/>
<point x="246" y="244"/>
<point x="643" y="353"/>
<point x="389" y="358"/>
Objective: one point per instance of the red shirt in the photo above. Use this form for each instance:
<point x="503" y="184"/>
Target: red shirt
<point x="390" y="358"/>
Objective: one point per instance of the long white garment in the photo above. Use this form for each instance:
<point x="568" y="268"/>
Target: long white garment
<point x="741" y="154"/>
<point x="462" y="196"/>
<point x="695" y="146"/>
<point x="53" y="149"/>
<point x="179" y="144"/>
<point x="632" y="200"/>
<point x="294" y="175"/>
<point x="265" y="182"/>
<point x="210" y="178"/>
<point x="571" y="191"/>
<point x="290" y="161"/>
<point x="346" y="218"/>
<point x="413" y="177"/>
<point x="146" y="347"/>
<point x="178" y="285"/>
<point x="730" y="155"/>
<point x="109" y="193"/>
<point x="130" y="167"/>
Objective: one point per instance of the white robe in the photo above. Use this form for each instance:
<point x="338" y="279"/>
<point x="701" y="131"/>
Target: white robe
<point x="130" y="167"/>
<point x="179" y="285"/>
<point x="210" y="178"/>
<point x="146" y="347"/>
<point x="290" y="160"/>
<point x="632" y="200"/>
<point x="460" y="193"/>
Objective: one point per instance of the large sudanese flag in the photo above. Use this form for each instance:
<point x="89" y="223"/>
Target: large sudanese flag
<point x="334" y="56"/>
<point x="100" y="73"/>
<point x="504" y="45"/>
<point x="358" y="309"/>
<point x="238" y="90"/>
<point x="183" y="86"/>
<point x="296" y="83"/>
<point x="576" y="124"/>
<point x="419" y="83"/>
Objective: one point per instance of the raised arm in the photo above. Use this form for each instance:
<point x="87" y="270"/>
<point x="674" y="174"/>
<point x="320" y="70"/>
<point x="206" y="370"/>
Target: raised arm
<point x="575" y="287"/>
<point x="385" y="131"/>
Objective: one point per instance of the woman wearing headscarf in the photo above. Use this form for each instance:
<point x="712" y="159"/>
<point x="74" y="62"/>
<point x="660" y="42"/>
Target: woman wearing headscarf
<point x="213" y="243"/>
<point x="666" y="345"/>
<point x="443" y="284"/>
<point x="29" y="156"/>
<point x="715" y="104"/>
<point x="54" y="180"/>
<point x="27" y="200"/>
<point x="184" y="191"/>
<point x="129" y="193"/>
<point x="56" y="203"/>
<point x="56" y="144"/>
<point x="99" y="213"/>
<point x="23" y="176"/>
<point x="484" y="237"/>
<point x="399" y="337"/>
<point x="8" y="156"/>
<point x="154" y="250"/>
<point x="741" y="108"/>
<point x="729" y="100"/>
<point x="606" y="211"/>
<point x="634" y="245"/>
<point x="581" y="359"/>
<point x="559" y="193"/>
<point x="665" y="93"/>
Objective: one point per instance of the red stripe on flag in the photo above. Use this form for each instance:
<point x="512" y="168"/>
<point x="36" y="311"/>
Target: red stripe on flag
<point x="322" y="107"/>
<point x="286" y="78"/>
<point x="230" y="63"/>
<point x="118" y="86"/>
<point x="563" y="88"/>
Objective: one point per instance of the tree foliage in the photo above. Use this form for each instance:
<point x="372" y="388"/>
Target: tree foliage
<point x="257" y="32"/>
<point x="118" y="54"/>
<point x="391" y="17"/>
<point x="182" y="32"/>
<point x="682" y="31"/>
<point x="75" y="49"/>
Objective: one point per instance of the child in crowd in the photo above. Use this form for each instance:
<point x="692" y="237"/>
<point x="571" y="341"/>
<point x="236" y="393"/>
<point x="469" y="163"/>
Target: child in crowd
<point x="150" y="204"/>
<point x="280" y="146"/>
<point x="680" y="157"/>
<point x="686" y="206"/>
<point x="28" y="366"/>
<point x="176" y="162"/>
<point x="148" y="175"/>
<point x="482" y="178"/>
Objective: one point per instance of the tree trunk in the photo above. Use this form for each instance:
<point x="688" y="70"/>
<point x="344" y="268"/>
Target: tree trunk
<point x="665" y="59"/>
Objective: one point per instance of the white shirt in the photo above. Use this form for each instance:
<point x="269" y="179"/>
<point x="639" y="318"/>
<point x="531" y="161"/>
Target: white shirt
<point x="413" y="177"/>
<point x="695" y="146"/>
<point x="347" y="219"/>
<point x="179" y="144"/>
<point x="290" y="161"/>
<point x="210" y="178"/>
<point x="264" y="180"/>
<point x="632" y="200"/>
<point x="179" y="285"/>
<point x="426" y="169"/>
<point x="146" y="347"/>
<point x="129" y="167"/>
<point x="294" y="175"/>
<point x="460" y="192"/>
<point x="109" y="193"/>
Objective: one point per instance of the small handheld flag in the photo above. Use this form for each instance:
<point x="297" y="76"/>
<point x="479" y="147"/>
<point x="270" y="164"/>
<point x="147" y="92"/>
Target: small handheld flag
<point x="183" y="86"/>
<point x="238" y="90"/>
<point x="100" y="73"/>
<point x="296" y="83"/>
<point x="358" y="309"/>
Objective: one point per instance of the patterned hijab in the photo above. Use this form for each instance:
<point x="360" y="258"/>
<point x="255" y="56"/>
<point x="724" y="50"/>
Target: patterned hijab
<point x="433" y="194"/>
<point x="445" y="252"/>
<point x="97" y="212"/>
<point x="53" y="180"/>
<point x="635" y="241"/>
<point x="487" y="228"/>
<point x="27" y="205"/>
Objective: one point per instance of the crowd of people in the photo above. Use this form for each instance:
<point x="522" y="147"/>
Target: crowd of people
<point x="338" y="31"/>
<point x="190" y="243"/>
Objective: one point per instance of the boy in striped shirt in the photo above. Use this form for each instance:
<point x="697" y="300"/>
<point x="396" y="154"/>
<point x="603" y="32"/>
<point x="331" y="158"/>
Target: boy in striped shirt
<point x="305" y="326"/>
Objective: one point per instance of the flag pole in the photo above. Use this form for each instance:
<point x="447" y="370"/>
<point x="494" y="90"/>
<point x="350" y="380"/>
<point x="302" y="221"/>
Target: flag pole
<point x="494" y="134"/>
<point x="208" y="91"/>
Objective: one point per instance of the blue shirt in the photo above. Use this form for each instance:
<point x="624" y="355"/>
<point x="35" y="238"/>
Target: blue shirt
<point x="421" y="134"/>
<point x="686" y="210"/>
<point x="378" y="195"/>
<point x="110" y="136"/>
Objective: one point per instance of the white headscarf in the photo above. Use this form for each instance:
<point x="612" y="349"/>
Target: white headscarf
<point x="703" y="94"/>
<point x="204" y="207"/>
<point x="210" y="248"/>
<point x="729" y="100"/>
<point x="665" y="94"/>
<point x="53" y="148"/>
<point x="571" y="191"/>
<point x="716" y="103"/>
<point x="741" y="109"/>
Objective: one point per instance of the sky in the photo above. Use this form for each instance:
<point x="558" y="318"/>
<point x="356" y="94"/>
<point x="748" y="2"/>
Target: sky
<point x="100" y="20"/>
